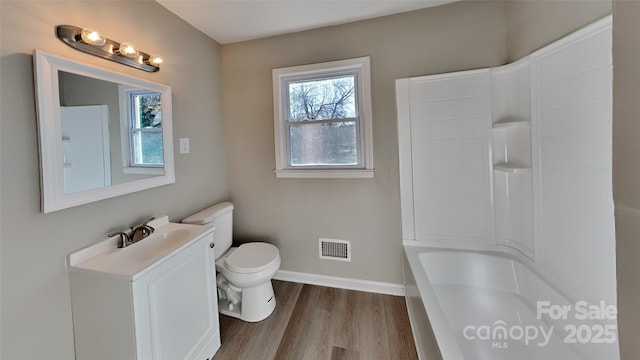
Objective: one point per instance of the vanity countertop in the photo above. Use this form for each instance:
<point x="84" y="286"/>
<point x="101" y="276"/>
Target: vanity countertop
<point x="136" y="259"/>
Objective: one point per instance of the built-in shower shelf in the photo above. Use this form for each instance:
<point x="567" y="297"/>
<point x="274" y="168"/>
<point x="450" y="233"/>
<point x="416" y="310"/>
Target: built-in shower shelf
<point x="512" y="168"/>
<point x="510" y="123"/>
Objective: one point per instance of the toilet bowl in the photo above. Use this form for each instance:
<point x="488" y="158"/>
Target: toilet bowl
<point x="243" y="273"/>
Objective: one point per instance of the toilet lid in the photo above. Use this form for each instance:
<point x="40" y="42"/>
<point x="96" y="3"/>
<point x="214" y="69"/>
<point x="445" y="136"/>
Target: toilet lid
<point x="252" y="257"/>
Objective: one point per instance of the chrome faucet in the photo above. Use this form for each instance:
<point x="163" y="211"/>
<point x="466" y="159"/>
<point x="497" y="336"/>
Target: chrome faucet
<point x="124" y="239"/>
<point x="141" y="231"/>
<point x="137" y="233"/>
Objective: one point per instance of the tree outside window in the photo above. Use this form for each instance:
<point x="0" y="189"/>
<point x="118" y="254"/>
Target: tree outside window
<point x="322" y="122"/>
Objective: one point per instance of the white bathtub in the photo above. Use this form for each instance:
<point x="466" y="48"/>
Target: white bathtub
<point x="482" y="304"/>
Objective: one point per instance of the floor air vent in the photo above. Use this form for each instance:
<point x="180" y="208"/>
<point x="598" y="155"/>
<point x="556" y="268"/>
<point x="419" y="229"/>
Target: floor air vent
<point x="335" y="249"/>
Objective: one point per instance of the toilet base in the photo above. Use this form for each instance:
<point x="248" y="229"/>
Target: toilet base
<point x="256" y="305"/>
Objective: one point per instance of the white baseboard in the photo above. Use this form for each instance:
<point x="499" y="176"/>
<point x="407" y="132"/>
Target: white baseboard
<point x="341" y="283"/>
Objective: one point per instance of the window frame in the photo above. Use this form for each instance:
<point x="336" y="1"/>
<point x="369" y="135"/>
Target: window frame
<point x="357" y="67"/>
<point x="127" y="114"/>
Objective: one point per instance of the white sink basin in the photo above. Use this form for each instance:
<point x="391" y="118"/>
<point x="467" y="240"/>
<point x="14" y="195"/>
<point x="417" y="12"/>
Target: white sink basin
<point x="135" y="259"/>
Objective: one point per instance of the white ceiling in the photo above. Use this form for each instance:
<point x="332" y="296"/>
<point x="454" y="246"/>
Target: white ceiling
<point x="229" y="21"/>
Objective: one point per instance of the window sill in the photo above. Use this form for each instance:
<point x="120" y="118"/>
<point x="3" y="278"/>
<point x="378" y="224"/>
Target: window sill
<point x="143" y="170"/>
<point x="324" y="174"/>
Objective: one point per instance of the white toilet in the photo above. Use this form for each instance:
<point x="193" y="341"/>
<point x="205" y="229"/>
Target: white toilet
<point x="243" y="273"/>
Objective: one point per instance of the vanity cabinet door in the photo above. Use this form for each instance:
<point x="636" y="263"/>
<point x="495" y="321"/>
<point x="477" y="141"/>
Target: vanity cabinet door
<point x="175" y="306"/>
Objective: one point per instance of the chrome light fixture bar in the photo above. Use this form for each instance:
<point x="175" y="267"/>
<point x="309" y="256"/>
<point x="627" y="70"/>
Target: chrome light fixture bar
<point x="91" y="42"/>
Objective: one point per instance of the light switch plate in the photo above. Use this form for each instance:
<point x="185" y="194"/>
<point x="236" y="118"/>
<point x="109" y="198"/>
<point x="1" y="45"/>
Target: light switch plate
<point x="184" y="145"/>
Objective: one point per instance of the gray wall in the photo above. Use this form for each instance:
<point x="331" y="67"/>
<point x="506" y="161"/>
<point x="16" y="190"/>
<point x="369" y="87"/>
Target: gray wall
<point x="36" y="309"/>
<point x="294" y="213"/>
<point x="626" y="170"/>
<point x="534" y="24"/>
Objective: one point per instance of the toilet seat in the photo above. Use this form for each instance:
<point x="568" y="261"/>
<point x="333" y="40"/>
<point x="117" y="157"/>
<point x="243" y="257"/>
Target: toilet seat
<point x="252" y="258"/>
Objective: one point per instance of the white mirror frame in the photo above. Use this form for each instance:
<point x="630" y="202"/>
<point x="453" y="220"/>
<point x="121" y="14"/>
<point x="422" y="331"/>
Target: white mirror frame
<point x="53" y="197"/>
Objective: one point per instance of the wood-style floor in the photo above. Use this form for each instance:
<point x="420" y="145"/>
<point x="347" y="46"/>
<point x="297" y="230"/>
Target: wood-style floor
<point x="321" y="323"/>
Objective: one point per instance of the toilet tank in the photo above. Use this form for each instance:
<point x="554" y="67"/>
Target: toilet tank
<point x="219" y="216"/>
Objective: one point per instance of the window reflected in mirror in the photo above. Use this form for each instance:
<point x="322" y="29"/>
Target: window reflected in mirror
<point x="144" y="127"/>
<point x="146" y="130"/>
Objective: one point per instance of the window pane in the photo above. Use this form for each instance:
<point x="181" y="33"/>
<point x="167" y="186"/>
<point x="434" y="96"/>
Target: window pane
<point x="333" y="98"/>
<point x="148" y="148"/>
<point x="148" y="111"/>
<point x="323" y="144"/>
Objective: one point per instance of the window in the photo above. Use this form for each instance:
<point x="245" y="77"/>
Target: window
<point x="141" y="129"/>
<point x="322" y="119"/>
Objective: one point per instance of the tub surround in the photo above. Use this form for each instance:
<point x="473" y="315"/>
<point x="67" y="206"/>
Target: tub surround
<point x="515" y="158"/>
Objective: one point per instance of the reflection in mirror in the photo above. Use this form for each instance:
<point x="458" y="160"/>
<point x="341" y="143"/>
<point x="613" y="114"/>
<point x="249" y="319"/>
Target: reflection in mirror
<point x="102" y="134"/>
<point x="111" y="133"/>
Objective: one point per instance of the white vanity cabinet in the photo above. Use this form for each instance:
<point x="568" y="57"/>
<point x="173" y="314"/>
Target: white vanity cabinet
<point x="168" y="310"/>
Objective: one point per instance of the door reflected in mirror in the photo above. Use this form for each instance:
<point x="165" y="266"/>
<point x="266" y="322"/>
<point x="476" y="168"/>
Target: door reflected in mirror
<point x="111" y="133"/>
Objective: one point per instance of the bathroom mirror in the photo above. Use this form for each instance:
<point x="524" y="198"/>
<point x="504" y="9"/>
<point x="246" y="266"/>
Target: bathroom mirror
<point x="102" y="134"/>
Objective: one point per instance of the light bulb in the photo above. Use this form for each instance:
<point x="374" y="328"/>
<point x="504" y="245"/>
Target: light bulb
<point x="155" y="59"/>
<point x="128" y="50"/>
<point x="92" y="37"/>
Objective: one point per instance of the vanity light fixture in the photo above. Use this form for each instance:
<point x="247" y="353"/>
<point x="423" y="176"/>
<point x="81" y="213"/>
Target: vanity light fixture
<point x="94" y="43"/>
